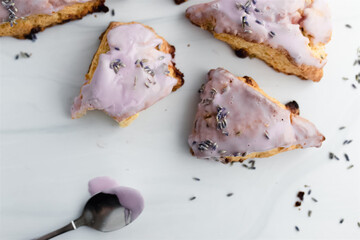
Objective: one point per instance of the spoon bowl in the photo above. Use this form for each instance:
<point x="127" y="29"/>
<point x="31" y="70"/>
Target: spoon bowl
<point x="102" y="212"/>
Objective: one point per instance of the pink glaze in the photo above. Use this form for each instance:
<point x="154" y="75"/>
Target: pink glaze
<point x="32" y="7"/>
<point x="129" y="198"/>
<point x="254" y="123"/>
<point x="264" y="17"/>
<point x="132" y="88"/>
<point x="317" y="22"/>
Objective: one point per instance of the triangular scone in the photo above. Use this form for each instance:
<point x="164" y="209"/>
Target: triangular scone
<point x="132" y="69"/>
<point x="236" y="120"/>
<point x="34" y="16"/>
<point x="290" y="36"/>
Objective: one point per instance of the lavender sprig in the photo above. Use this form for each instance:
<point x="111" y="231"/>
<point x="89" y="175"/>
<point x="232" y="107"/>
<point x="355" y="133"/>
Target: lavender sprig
<point x="116" y="65"/>
<point x="9" y="5"/>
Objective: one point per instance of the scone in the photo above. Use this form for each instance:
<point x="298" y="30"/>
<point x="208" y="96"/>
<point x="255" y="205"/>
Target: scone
<point x="236" y="120"/>
<point x="132" y="69"/>
<point x="290" y="36"/>
<point x="23" y="18"/>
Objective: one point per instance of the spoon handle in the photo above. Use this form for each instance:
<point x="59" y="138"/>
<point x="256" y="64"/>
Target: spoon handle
<point x="67" y="228"/>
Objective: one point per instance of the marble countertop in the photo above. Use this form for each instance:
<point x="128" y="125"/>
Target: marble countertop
<point x="47" y="158"/>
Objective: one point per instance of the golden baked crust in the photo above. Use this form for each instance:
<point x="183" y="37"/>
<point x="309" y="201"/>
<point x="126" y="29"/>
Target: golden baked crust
<point x="277" y="58"/>
<point x="293" y="111"/>
<point x="104" y="48"/>
<point x="25" y="28"/>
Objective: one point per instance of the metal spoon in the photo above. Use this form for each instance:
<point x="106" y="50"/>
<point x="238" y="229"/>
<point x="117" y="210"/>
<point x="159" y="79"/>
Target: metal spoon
<point x="102" y="212"/>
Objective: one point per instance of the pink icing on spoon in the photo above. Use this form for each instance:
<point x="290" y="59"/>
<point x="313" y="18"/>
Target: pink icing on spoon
<point x="99" y="184"/>
<point x="129" y="198"/>
<point x="31" y="7"/>
<point x="274" y="22"/>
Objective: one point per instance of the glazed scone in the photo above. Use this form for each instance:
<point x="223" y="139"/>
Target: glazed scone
<point x="132" y="69"/>
<point x="34" y="16"/>
<point x="290" y="36"/>
<point x="236" y="120"/>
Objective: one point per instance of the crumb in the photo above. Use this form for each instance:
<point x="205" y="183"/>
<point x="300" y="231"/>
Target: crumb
<point x="347" y="142"/>
<point x="179" y="1"/>
<point x="241" y="53"/>
<point x="300" y="195"/>
<point x="332" y="156"/>
<point x="293" y="107"/>
<point x="23" y="55"/>
<point x="32" y="35"/>
<point x="252" y="163"/>
<point x="357" y="76"/>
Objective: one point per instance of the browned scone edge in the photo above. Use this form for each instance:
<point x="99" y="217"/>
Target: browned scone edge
<point x="277" y="58"/>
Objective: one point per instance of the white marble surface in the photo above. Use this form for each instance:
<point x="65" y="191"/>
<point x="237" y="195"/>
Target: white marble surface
<point x="47" y="158"/>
